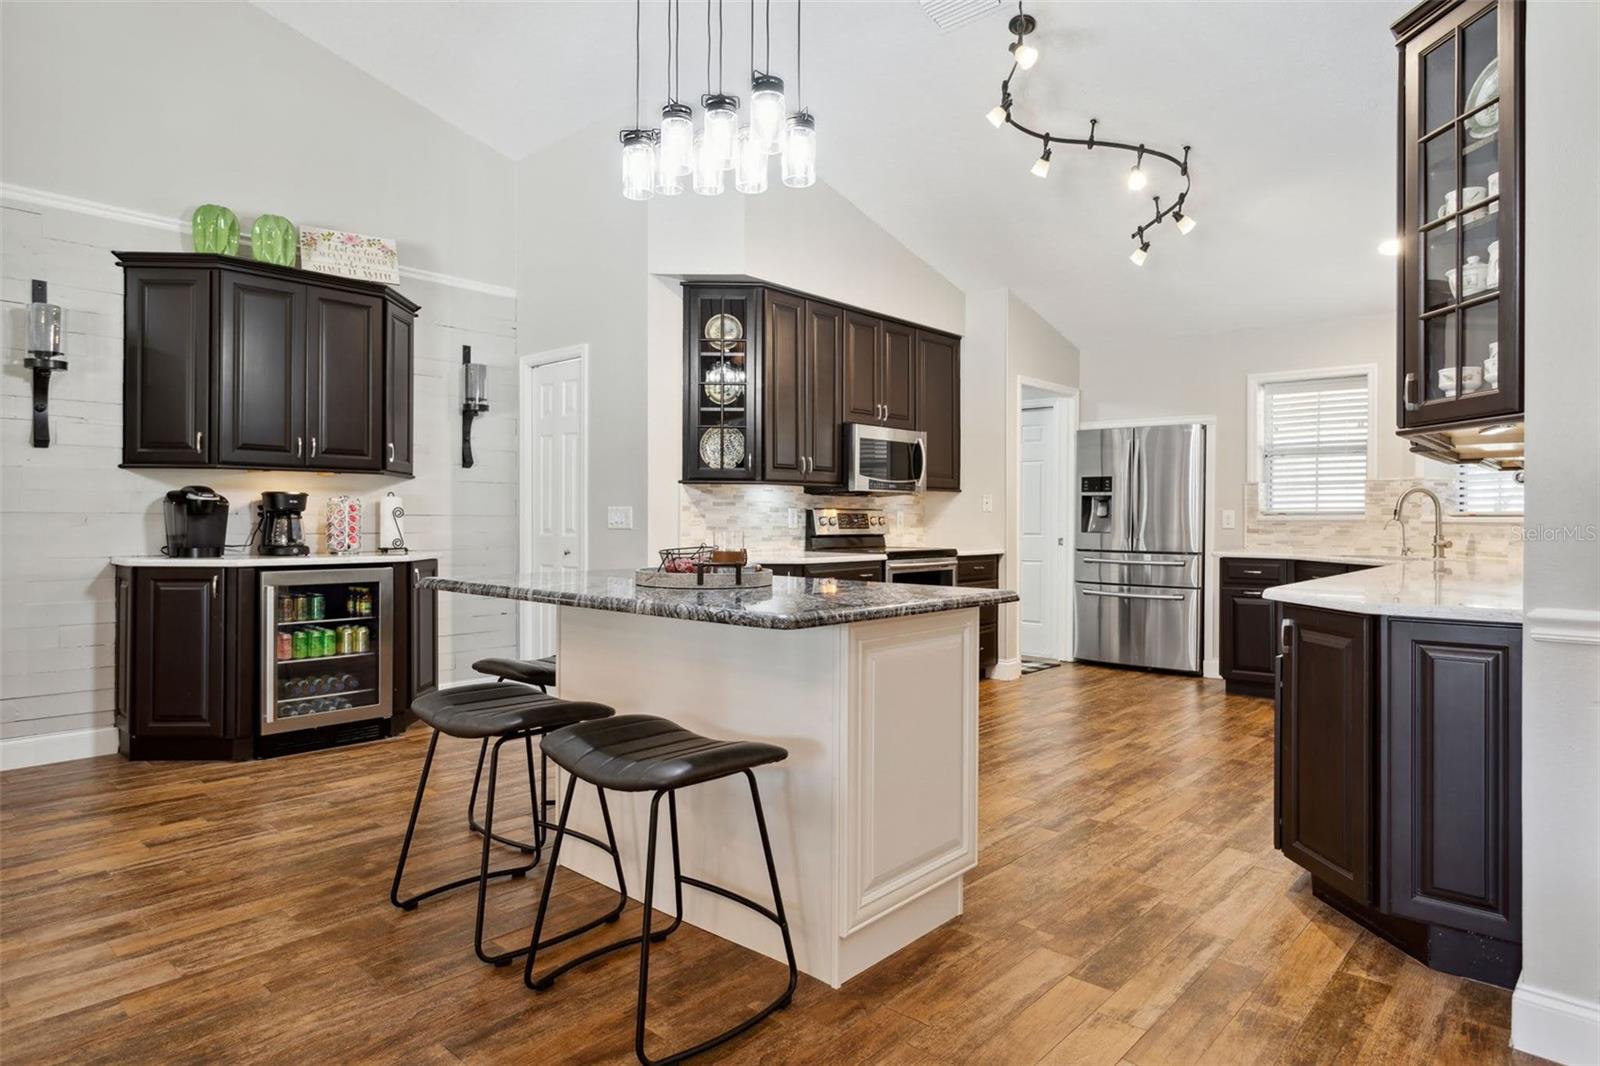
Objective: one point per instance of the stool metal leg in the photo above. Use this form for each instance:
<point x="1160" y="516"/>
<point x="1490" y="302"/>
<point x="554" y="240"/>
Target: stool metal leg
<point x="776" y="915"/>
<point x="472" y="806"/>
<point x="410" y="903"/>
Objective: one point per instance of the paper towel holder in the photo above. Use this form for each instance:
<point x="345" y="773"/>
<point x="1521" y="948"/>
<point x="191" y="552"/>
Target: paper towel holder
<point x="391" y="530"/>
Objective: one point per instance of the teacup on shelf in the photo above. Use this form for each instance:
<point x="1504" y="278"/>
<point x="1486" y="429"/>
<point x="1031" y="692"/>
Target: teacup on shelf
<point x="1471" y="379"/>
<point x="1447" y="382"/>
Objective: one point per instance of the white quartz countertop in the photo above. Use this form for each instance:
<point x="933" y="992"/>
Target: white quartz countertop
<point x="979" y="551"/>
<point x="1451" y="589"/>
<point x="236" y="559"/>
<point x="1312" y="556"/>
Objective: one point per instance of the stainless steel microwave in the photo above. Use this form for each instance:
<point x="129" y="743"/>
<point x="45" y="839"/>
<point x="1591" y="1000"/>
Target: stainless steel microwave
<point x="880" y="460"/>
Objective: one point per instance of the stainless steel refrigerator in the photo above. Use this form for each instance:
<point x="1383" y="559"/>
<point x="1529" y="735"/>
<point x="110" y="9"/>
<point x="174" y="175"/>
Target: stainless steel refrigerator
<point x="1139" y="568"/>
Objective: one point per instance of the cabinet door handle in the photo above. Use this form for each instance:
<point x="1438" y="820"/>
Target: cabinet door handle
<point x="1286" y="635"/>
<point x="313" y="447"/>
<point x="391" y="451"/>
<point x="299" y="447"/>
<point x="1257" y="572"/>
<point x="1411" y="392"/>
<point x="199" y="435"/>
<point x="213" y="586"/>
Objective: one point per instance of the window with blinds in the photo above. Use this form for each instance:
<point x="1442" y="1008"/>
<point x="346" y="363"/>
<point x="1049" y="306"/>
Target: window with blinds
<point x="1314" y="434"/>
<point x="1485" y="490"/>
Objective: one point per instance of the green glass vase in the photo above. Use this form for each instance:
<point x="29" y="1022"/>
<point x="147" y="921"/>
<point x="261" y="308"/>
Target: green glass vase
<point x="216" y="230"/>
<point x="273" y="240"/>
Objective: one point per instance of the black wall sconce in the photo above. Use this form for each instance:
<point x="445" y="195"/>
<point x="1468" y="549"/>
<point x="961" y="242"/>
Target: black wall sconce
<point x="473" y="400"/>
<point x="46" y="331"/>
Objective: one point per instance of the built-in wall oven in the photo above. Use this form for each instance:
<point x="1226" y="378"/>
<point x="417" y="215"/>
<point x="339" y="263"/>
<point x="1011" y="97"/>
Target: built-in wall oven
<point x="881" y="460"/>
<point x="329" y="656"/>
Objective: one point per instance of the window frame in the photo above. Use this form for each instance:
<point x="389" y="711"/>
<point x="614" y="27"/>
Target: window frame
<point x="1255" y="433"/>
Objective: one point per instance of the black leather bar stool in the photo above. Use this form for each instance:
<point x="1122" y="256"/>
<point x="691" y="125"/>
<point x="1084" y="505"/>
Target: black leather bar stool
<point x="540" y="673"/>
<point x="504" y="713"/>
<point x="641" y="753"/>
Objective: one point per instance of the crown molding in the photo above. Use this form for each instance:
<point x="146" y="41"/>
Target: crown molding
<point x="22" y="194"/>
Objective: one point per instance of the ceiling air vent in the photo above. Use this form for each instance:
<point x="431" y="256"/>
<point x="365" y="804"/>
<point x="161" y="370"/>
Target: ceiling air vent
<point x="948" y="14"/>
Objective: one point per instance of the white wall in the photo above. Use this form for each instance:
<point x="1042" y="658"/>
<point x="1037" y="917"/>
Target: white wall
<point x="1207" y="376"/>
<point x="1556" y="1008"/>
<point x="118" y="119"/>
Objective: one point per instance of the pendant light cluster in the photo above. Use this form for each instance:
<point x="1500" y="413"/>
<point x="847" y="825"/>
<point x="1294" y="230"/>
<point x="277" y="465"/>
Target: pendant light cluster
<point x="664" y="159"/>
<point x="1023" y="57"/>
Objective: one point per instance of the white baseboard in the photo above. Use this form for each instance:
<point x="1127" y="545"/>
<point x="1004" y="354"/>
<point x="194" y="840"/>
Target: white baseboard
<point x="1006" y="670"/>
<point x="17" y="752"/>
<point x="1211" y="668"/>
<point x="1555" y="1026"/>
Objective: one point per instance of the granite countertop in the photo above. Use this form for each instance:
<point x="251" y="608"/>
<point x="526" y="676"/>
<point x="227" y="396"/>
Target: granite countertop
<point x="801" y="557"/>
<point x="1312" y="556"/>
<point x="237" y="559"/>
<point x="1451" y="589"/>
<point x="791" y="602"/>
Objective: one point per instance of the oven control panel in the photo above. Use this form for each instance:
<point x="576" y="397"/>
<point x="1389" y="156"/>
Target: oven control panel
<point x="825" y="521"/>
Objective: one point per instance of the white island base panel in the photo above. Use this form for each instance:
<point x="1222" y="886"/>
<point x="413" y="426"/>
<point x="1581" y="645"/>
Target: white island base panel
<point x="874" y="815"/>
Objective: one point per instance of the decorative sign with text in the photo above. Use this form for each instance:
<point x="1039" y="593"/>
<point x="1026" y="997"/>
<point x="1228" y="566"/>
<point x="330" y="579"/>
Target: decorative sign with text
<point x="349" y="255"/>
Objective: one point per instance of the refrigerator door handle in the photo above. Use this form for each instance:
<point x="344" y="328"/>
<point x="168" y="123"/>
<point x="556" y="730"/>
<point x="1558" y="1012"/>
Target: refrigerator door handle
<point x="1137" y="562"/>
<point x="1134" y="595"/>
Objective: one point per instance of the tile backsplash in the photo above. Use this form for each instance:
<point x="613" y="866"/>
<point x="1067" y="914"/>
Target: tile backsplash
<point x="762" y="512"/>
<point x="1375" y="533"/>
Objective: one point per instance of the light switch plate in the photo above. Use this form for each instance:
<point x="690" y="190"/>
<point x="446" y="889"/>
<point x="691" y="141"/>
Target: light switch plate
<point x="1229" y="519"/>
<point x="619" y="517"/>
<point x="987" y="502"/>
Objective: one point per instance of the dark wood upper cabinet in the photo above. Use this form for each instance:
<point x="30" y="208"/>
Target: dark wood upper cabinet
<point x="178" y="681"/>
<point x="938" y="376"/>
<point x="824" y="359"/>
<point x="898" y="386"/>
<point x="235" y="363"/>
<point x="863" y="347"/>
<point x="398" y="409"/>
<point x="1451" y="797"/>
<point x="1460" y="215"/>
<point x="784" y="371"/>
<point x="166" y="389"/>
<point x="344" y="380"/>
<point x="1324" y="747"/>
<point x="261" y="394"/>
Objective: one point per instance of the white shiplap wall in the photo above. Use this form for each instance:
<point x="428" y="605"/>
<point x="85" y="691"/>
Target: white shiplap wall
<point x="67" y="508"/>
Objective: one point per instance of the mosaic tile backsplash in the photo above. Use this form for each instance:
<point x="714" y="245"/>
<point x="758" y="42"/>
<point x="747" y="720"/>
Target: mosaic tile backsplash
<point x="1375" y="532"/>
<point x="762" y="511"/>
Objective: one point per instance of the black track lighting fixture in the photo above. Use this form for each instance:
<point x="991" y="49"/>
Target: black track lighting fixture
<point x="1023" y="57"/>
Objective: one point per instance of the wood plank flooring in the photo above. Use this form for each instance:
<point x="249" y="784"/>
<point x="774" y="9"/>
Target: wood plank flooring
<point x="1128" y="907"/>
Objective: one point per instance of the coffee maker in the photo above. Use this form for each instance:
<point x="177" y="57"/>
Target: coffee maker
<point x="197" y="522"/>
<point x="279" y="526"/>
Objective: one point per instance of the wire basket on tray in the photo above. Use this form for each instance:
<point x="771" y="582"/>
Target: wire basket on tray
<point x="703" y="566"/>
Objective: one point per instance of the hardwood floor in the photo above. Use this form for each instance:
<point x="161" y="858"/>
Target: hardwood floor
<point x="1128" y="907"/>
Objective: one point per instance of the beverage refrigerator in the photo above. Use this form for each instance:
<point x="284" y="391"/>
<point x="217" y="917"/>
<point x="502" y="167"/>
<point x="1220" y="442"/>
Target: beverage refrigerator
<point x="330" y="641"/>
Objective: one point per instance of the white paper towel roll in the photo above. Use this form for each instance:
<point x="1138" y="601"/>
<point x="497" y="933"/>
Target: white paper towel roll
<point x="391" y="525"/>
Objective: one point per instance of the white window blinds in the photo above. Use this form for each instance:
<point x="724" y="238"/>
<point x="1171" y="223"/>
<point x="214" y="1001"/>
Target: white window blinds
<point x="1485" y="490"/>
<point x="1314" y="435"/>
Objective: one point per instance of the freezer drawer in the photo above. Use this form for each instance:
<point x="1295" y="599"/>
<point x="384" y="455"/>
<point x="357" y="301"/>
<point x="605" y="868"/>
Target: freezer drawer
<point x="1138" y="568"/>
<point x="1134" y="625"/>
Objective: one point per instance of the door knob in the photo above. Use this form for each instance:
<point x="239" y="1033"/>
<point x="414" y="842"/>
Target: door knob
<point x="565" y="552"/>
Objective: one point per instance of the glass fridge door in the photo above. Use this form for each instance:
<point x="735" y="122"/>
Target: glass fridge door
<point x="330" y="647"/>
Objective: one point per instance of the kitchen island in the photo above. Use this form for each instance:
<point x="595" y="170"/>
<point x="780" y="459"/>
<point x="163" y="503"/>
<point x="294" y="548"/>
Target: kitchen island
<point x="872" y="688"/>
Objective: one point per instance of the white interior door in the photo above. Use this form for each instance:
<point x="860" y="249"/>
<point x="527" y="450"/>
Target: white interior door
<point x="552" y="486"/>
<point x="1039" y="562"/>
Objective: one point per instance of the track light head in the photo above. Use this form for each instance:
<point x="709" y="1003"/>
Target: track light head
<point x="1041" y="166"/>
<point x="1140" y="254"/>
<point x="1185" y="222"/>
<point x="1025" y="54"/>
<point x="997" y="115"/>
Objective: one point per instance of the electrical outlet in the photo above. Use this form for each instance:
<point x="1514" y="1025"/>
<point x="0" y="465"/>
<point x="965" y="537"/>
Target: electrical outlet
<point x="619" y="517"/>
<point x="987" y="502"/>
<point x="899" y="520"/>
<point x="1229" y="520"/>
<point x="794" y="518"/>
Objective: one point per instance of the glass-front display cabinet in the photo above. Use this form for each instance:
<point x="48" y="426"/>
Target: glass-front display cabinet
<point x="722" y="337"/>
<point x="1460" y="326"/>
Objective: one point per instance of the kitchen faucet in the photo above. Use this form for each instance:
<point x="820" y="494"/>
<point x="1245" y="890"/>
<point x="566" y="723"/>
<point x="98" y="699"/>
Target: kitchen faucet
<point x="1439" y="543"/>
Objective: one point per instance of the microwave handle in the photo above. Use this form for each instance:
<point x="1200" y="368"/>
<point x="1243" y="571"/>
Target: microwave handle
<point x="921" y="462"/>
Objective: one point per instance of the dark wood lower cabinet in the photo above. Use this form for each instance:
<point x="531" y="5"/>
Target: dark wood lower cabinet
<point x="189" y="664"/>
<point x="1248" y="635"/>
<point x="1324" y="747"/>
<point x="983" y="572"/>
<point x="1398" y="758"/>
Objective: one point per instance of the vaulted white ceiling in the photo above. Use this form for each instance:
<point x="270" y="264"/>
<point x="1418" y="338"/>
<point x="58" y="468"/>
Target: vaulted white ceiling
<point x="1290" y="108"/>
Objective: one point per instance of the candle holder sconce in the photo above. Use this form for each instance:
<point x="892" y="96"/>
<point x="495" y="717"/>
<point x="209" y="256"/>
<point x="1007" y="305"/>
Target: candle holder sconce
<point x="46" y="333"/>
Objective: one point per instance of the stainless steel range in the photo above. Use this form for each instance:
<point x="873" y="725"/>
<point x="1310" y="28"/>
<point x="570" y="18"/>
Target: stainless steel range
<point x="863" y="530"/>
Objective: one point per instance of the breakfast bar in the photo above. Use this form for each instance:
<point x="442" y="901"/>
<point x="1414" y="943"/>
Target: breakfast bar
<point x="873" y="690"/>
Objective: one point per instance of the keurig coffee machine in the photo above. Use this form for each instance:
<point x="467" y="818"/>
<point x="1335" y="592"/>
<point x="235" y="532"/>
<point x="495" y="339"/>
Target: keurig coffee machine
<point x="279" y="532"/>
<point x="197" y="522"/>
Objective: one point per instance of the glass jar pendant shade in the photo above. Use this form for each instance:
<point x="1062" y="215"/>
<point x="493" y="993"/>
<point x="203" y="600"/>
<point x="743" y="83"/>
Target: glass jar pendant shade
<point x="721" y="130"/>
<point x="677" y="139"/>
<point x="800" y="151"/>
<point x="707" y="169"/>
<point x="638" y="165"/>
<point x="750" y="175"/>
<point x="766" y="112"/>
<point x="668" y="182"/>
